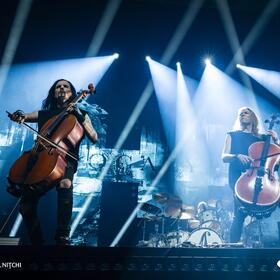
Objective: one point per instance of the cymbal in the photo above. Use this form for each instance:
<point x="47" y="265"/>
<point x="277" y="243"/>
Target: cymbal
<point x="160" y="197"/>
<point x="188" y="208"/>
<point x="148" y="217"/>
<point x="150" y="208"/>
<point x="173" y="207"/>
<point x="186" y="216"/>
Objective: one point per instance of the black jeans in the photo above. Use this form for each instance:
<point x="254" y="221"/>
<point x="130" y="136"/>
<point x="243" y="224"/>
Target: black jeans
<point x="237" y="224"/>
<point x="28" y="210"/>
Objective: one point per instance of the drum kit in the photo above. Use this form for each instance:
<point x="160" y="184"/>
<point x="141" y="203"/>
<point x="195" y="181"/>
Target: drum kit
<point x="180" y="225"/>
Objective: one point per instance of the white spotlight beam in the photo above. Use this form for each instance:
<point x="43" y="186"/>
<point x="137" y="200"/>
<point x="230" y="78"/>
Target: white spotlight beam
<point x="173" y="45"/>
<point x="233" y="38"/>
<point x="181" y="30"/>
<point x="207" y="61"/>
<point x="267" y="78"/>
<point x="103" y="27"/>
<point x="251" y="38"/>
<point x="13" y="40"/>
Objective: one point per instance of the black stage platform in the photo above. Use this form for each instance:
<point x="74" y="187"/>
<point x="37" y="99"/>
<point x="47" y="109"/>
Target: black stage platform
<point x="143" y="263"/>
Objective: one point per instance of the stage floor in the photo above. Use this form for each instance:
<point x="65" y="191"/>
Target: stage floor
<point x="134" y="262"/>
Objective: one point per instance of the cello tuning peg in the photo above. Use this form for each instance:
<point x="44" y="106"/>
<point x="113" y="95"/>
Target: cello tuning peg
<point x="91" y="88"/>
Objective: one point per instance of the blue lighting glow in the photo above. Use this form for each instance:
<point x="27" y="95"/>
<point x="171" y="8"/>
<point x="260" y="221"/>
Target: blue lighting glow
<point x="28" y="84"/>
<point x="267" y="78"/>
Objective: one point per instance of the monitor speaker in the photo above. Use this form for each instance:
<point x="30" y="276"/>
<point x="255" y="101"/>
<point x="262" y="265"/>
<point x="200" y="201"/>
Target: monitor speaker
<point x="118" y="200"/>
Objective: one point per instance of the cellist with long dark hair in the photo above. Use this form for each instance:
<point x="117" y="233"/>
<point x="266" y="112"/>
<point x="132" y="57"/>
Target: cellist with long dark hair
<point x="60" y="96"/>
<point x="235" y="152"/>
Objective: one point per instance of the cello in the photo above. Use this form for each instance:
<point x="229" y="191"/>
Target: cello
<point x="257" y="189"/>
<point x="45" y="164"/>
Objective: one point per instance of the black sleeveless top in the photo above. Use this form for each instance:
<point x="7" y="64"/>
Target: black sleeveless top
<point x="240" y="143"/>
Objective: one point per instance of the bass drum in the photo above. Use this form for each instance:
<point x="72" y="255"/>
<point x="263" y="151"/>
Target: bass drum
<point x="204" y="237"/>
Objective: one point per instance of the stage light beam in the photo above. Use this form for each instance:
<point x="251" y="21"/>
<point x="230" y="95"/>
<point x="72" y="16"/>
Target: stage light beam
<point x="116" y="55"/>
<point x="207" y="61"/>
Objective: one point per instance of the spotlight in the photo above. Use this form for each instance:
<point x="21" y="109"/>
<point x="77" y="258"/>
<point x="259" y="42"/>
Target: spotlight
<point x="116" y="55"/>
<point x="238" y="65"/>
<point x="207" y="61"/>
<point x="178" y="64"/>
<point x="148" y="58"/>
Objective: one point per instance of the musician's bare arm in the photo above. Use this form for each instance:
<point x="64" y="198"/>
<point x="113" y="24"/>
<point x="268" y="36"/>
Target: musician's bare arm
<point x="274" y="136"/>
<point x="19" y="116"/>
<point x="227" y="157"/>
<point x="31" y="117"/>
<point x="89" y="129"/>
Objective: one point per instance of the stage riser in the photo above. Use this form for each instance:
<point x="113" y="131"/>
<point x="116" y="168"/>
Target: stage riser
<point x="142" y="260"/>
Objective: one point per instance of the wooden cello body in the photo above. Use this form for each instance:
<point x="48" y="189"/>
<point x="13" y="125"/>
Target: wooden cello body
<point x="258" y="188"/>
<point x="45" y="164"/>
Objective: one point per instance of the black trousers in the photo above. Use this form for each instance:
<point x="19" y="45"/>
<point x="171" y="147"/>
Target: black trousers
<point x="29" y="205"/>
<point x="237" y="223"/>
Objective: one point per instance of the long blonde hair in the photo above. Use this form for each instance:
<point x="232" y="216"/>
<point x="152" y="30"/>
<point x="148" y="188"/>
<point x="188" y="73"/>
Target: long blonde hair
<point x="254" y="120"/>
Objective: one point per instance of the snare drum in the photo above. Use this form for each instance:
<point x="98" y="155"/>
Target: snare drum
<point x="204" y="237"/>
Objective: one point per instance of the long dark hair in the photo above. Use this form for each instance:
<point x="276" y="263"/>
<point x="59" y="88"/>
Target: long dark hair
<point x="50" y="102"/>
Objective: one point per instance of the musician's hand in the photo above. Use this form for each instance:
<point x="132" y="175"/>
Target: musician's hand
<point x="274" y="136"/>
<point x="73" y="109"/>
<point x="246" y="160"/>
<point x="18" y="116"/>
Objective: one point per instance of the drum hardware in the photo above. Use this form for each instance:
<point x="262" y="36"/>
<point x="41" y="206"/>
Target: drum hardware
<point x="156" y="239"/>
<point x="177" y="238"/>
<point x="249" y="239"/>
<point x="159" y="238"/>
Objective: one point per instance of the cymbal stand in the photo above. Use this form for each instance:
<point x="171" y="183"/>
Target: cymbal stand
<point x="142" y="242"/>
<point x="159" y="235"/>
<point x="177" y="220"/>
<point x="144" y="231"/>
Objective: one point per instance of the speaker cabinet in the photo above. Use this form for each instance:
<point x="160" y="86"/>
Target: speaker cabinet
<point x="118" y="200"/>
